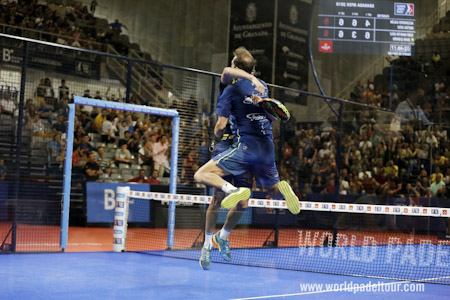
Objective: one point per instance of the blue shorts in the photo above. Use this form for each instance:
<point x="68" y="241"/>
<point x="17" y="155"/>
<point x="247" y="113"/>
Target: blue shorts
<point x="254" y="156"/>
<point x="242" y="180"/>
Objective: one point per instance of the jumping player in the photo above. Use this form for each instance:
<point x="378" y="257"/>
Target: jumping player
<point x="229" y="75"/>
<point x="252" y="151"/>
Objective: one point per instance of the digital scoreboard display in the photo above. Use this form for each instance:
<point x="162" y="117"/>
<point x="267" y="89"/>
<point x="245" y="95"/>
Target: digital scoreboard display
<point x="366" y="27"/>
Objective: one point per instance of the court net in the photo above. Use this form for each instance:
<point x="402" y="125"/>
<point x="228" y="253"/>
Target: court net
<point x="366" y="238"/>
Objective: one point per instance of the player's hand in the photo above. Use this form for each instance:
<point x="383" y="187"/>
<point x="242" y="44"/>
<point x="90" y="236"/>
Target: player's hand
<point x="256" y="99"/>
<point x="259" y="87"/>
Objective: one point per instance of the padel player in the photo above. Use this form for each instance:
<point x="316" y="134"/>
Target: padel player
<point x="229" y="75"/>
<point x="253" y="149"/>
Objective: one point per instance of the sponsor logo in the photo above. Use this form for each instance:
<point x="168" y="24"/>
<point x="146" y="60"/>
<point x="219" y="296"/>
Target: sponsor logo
<point x="261" y="202"/>
<point x="120" y="195"/>
<point x="308" y="205"/>
<point x="118" y="222"/>
<point x="333" y="206"/>
<point x="248" y="100"/>
<point x="117" y="240"/>
<point x="435" y="211"/>
<point x="416" y="210"/>
<point x="342" y="207"/>
<point x="325" y="206"/>
<point x="360" y="207"/>
<point x="378" y="208"/>
<point x="444" y="212"/>
<point x="397" y="209"/>
<point x="119" y="214"/>
<point x="350" y="207"/>
<point x="120" y="204"/>
<point x="255" y="117"/>
<point x="117" y="231"/>
<point x="404" y="9"/>
<point x="326" y="46"/>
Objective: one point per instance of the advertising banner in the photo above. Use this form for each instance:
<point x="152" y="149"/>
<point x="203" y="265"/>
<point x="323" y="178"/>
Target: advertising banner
<point x="101" y="202"/>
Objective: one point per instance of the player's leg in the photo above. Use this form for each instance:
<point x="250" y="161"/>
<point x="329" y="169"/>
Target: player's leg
<point x="233" y="217"/>
<point x="223" y="164"/>
<point x="266" y="175"/>
<point x="210" y="224"/>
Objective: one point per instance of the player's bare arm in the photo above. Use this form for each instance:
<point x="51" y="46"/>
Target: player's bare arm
<point x="230" y="73"/>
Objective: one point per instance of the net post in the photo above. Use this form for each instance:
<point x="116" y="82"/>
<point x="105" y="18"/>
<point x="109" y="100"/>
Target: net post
<point x="67" y="178"/>
<point x="173" y="180"/>
<point x="121" y="218"/>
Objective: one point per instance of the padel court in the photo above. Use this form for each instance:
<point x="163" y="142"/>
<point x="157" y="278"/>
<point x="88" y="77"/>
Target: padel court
<point x="108" y="275"/>
<point x="88" y="270"/>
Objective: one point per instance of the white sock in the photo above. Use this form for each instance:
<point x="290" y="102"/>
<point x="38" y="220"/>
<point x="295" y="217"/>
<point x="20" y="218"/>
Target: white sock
<point x="228" y="187"/>
<point x="224" y="233"/>
<point x="208" y="240"/>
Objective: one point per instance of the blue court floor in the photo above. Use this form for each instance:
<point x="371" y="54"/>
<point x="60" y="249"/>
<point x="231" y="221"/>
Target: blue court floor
<point x="107" y="275"/>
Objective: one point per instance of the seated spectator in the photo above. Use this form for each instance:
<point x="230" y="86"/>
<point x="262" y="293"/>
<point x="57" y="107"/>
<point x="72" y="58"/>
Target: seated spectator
<point x="141" y="178"/>
<point x="3" y="170"/>
<point x="91" y="168"/>
<point x="123" y="155"/>
<point x="7" y="106"/>
<point x="60" y="126"/>
<point x="146" y="154"/>
<point x="103" y="161"/>
<point x="190" y="166"/>
<point x="412" y="194"/>
<point x="160" y="152"/>
<point x="108" y="131"/>
<point x="44" y="112"/>
<point x="41" y="89"/>
<point x="437" y="172"/>
<point x="77" y="162"/>
<point x="85" y="145"/>
<point x="134" y="143"/>
<point x="394" y="184"/>
<point x="329" y="187"/>
<point x="35" y="125"/>
<point x="154" y="179"/>
<point x="55" y="147"/>
<point x="85" y="121"/>
<point x="63" y="89"/>
<point x="410" y="108"/>
<point x="438" y="187"/>
<point x="99" y="119"/>
<point x="122" y="127"/>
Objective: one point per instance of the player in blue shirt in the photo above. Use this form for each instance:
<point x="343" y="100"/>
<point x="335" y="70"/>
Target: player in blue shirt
<point x="253" y="149"/>
<point x="229" y="76"/>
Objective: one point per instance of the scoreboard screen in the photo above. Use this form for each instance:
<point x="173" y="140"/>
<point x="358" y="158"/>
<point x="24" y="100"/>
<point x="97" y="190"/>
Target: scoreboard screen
<point x="366" y="27"/>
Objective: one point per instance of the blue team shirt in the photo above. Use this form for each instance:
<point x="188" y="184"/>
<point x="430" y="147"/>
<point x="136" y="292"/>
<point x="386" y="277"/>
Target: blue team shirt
<point x="246" y="119"/>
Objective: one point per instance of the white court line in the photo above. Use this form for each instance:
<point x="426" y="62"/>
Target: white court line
<point x="57" y="244"/>
<point x="318" y="292"/>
